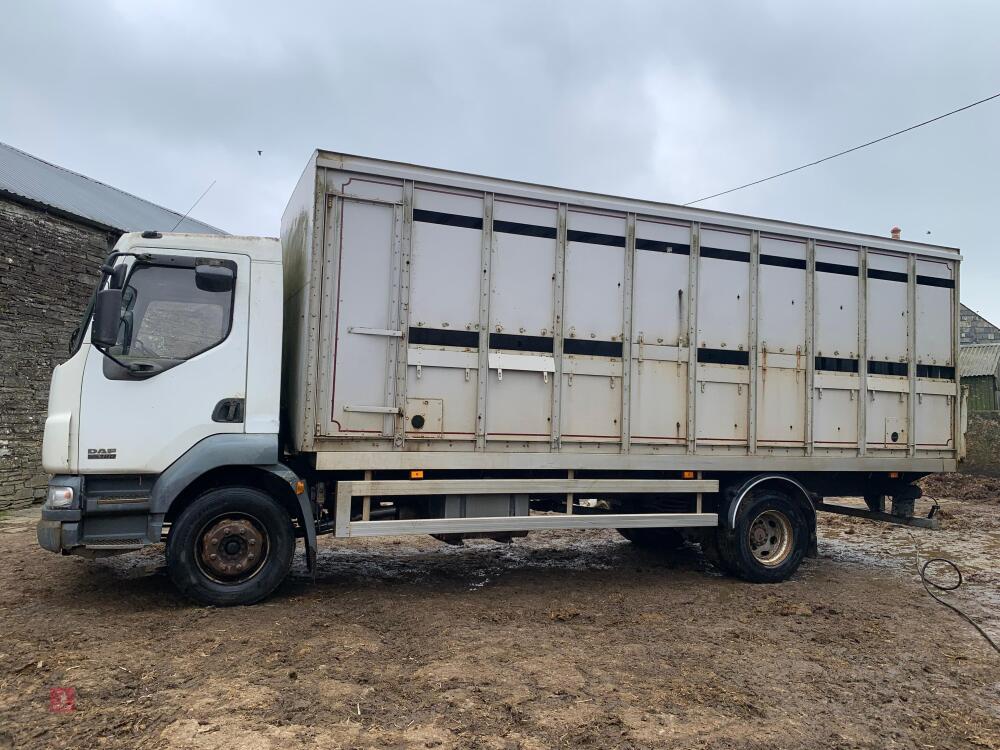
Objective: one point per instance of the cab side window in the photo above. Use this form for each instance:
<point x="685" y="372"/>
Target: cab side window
<point x="166" y="317"/>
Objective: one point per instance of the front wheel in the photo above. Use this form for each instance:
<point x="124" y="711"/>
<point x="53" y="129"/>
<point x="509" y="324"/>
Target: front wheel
<point x="769" y="541"/>
<point x="231" y="546"/>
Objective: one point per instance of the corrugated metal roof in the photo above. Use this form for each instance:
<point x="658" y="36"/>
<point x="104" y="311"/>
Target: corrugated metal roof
<point x="979" y="359"/>
<point x="25" y="176"/>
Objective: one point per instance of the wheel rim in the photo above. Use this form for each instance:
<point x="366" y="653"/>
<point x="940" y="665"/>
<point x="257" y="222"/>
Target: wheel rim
<point x="770" y="537"/>
<point x="233" y="548"/>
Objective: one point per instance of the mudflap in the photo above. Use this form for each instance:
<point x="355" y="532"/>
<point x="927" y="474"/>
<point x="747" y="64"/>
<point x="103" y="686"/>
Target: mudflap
<point x="812" y="551"/>
<point x="309" y="530"/>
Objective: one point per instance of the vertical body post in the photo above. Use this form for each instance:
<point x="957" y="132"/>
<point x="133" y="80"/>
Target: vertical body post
<point x="333" y="213"/>
<point x="569" y="495"/>
<point x="559" y="294"/>
<point x="485" y="282"/>
<point x="402" y="343"/>
<point x="692" y="336"/>
<point x="322" y="280"/>
<point x="627" y="297"/>
<point x="754" y="343"/>
<point x="956" y="343"/>
<point x="862" y="350"/>
<point x="393" y="351"/>
<point x="808" y="429"/>
<point x="911" y="353"/>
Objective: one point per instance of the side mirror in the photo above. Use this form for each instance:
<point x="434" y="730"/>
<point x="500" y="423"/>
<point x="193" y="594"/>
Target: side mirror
<point x="107" y="317"/>
<point x="214" y="278"/>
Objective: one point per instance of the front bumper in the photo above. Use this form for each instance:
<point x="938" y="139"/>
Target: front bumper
<point x="95" y="525"/>
<point x="57" y="535"/>
<point x="59" y="529"/>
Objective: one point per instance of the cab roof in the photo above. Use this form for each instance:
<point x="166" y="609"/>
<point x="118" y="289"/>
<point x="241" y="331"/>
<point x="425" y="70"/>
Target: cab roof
<point x="266" y="249"/>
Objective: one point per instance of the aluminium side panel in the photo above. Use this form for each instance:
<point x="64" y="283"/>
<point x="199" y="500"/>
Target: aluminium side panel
<point x="888" y="389"/>
<point x="447" y="248"/>
<point x="513" y="343"/>
<point x="781" y="343"/>
<point x="837" y="381"/>
<point x="356" y="361"/>
<point x="593" y="327"/>
<point x="659" y="355"/>
<point x="723" y="339"/>
<point x="521" y="321"/>
<point x="936" y="389"/>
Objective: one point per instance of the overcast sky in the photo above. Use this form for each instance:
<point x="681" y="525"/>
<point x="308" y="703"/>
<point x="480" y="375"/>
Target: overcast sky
<point x="661" y="100"/>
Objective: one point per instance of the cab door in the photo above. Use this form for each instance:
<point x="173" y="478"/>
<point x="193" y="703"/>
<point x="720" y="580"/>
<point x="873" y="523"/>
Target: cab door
<point x="179" y="368"/>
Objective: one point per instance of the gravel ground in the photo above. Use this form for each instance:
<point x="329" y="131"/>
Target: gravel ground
<point x="562" y="639"/>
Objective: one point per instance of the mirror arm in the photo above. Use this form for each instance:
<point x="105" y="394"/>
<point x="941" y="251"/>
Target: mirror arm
<point x="113" y="358"/>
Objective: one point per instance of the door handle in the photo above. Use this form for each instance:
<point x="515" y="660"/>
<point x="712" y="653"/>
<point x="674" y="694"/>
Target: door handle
<point x="228" y="410"/>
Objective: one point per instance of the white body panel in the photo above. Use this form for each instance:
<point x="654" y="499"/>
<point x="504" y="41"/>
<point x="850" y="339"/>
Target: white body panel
<point x="167" y="413"/>
<point x="60" y="442"/>
<point x="100" y="425"/>
<point x="516" y="319"/>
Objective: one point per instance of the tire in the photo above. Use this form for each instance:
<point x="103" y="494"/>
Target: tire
<point x="875" y="503"/>
<point x="770" y="539"/>
<point x="213" y="551"/>
<point x="654" y="538"/>
<point x="711" y="547"/>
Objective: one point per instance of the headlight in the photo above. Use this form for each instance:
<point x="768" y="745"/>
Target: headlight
<point x="60" y="498"/>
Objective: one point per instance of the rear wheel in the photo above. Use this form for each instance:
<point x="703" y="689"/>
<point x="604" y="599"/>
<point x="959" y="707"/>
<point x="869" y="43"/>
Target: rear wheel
<point x="770" y="538"/>
<point x="654" y="538"/>
<point x="232" y="545"/>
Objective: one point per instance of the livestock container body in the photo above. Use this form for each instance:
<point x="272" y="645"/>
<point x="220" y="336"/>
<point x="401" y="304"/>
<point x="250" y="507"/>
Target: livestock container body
<point x="448" y="321"/>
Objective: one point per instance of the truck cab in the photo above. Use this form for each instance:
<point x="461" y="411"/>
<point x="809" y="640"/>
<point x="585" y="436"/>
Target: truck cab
<point x="176" y="388"/>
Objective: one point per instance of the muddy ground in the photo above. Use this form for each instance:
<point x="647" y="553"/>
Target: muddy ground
<point x="561" y="640"/>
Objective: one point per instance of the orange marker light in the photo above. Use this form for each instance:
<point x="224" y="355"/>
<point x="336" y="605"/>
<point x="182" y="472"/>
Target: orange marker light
<point x="300" y="487"/>
<point x="893" y="475"/>
<point x="687" y="474"/>
<point x="417" y="474"/>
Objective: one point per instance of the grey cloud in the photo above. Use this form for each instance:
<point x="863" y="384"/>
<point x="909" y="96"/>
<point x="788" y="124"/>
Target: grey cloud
<point x="669" y="101"/>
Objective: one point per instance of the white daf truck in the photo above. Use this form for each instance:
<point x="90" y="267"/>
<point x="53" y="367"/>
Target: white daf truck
<point x="430" y="352"/>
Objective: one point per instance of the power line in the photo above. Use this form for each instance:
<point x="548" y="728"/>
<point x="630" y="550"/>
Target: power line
<point x="842" y="153"/>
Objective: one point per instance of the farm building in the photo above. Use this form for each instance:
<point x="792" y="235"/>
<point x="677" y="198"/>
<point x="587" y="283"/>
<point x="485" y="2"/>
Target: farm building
<point x="56" y="227"/>
<point x="975" y="329"/>
<point x="979" y="365"/>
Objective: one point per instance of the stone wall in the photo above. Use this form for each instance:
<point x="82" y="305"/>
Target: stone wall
<point x="48" y="269"/>
<point x="982" y="441"/>
<point x="975" y="329"/>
